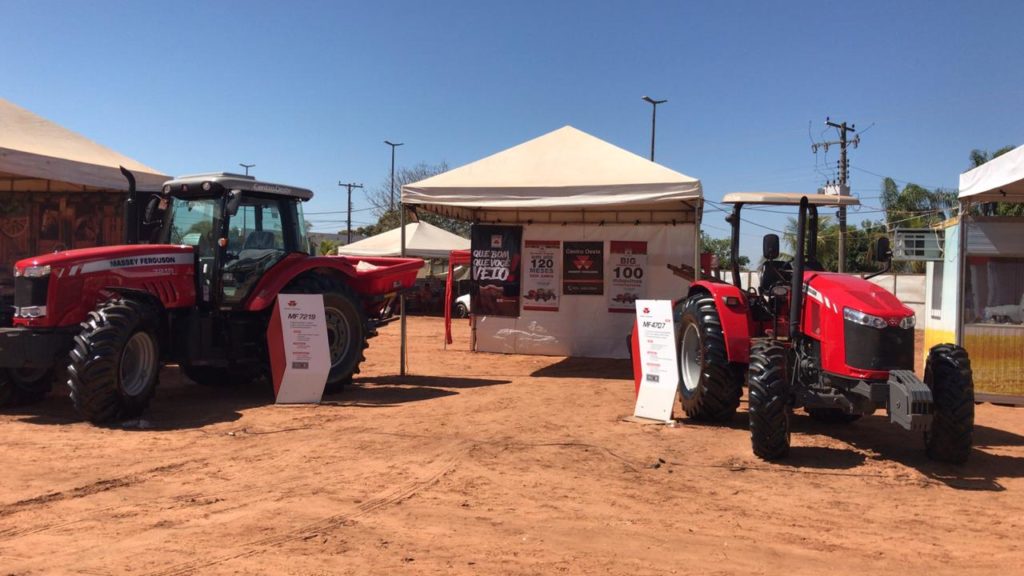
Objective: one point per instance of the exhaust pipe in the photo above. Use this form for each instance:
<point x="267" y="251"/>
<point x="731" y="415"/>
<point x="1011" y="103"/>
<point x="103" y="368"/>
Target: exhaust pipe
<point x="131" y="210"/>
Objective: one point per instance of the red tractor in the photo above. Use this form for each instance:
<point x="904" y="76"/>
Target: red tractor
<point x="836" y="345"/>
<point x="104" y="319"/>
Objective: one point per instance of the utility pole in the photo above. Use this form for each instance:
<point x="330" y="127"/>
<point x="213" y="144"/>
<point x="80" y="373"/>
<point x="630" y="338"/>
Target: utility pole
<point x="348" y="226"/>
<point x="844" y="177"/>
<point x="246" y="166"/>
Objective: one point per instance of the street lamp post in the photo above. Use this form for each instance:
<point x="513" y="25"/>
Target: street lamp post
<point x="654" y="119"/>
<point x="246" y="166"/>
<point x="393" y="146"/>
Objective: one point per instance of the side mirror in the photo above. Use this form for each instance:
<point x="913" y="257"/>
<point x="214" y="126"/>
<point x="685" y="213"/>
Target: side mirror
<point x="770" y="246"/>
<point x="234" y="199"/>
<point x="882" y="251"/>
<point x="154" y="210"/>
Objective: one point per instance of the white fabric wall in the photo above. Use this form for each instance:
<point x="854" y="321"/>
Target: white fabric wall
<point x="583" y="326"/>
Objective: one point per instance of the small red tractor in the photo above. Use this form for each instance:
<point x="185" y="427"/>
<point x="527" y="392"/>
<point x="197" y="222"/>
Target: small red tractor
<point x="836" y="345"/>
<point x="105" y="319"/>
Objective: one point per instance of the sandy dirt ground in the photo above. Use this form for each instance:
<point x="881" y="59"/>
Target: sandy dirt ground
<point x="490" y="464"/>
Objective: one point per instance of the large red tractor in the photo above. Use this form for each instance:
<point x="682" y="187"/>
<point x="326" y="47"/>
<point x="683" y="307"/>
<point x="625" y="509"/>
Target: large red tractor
<point x="104" y="319"/>
<point x="836" y="345"/>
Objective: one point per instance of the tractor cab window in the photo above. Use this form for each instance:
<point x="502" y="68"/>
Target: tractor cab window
<point x="256" y="241"/>
<point x="192" y="223"/>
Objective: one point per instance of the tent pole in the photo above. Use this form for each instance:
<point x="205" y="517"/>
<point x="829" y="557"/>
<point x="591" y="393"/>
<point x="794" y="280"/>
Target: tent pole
<point x="401" y="295"/>
<point x="961" y="277"/>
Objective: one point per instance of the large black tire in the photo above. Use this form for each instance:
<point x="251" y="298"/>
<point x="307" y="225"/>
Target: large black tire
<point x="768" y="400"/>
<point x="711" y="385"/>
<point x="347" y="326"/>
<point x="832" y="416"/>
<point x="948" y="373"/>
<point x="115" y="361"/>
<point x="19" y="387"/>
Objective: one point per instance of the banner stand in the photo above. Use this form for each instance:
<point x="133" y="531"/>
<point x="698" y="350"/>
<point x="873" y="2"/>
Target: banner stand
<point x="300" y="357"/>
<point x="655" y="354"/>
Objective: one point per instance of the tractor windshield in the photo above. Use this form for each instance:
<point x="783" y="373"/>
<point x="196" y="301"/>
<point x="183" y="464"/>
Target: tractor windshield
<point x="191" y="222"/>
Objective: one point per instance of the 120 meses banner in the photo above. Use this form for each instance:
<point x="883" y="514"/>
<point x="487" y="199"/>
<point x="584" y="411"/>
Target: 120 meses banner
<point x="627" y="263"/>
<point x="495" y="269"/>
<point x="540" y="282"/>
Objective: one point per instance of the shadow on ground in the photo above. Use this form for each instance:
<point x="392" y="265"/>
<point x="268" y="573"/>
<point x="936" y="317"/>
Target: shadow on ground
<point x="603" y="368"/>
<point x="882" y="440"/>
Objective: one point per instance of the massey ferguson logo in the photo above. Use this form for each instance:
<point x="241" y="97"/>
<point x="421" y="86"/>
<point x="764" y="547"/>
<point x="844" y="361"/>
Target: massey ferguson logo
<point x="647" y="310"/>
<point x="293" y="303"/>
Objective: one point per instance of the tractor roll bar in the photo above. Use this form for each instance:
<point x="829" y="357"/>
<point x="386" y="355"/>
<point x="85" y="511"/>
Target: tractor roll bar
<point x="797" y="298"/>
<point x="734" y="250"/>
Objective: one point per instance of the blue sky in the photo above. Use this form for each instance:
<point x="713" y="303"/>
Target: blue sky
<point x="309" y="90"/>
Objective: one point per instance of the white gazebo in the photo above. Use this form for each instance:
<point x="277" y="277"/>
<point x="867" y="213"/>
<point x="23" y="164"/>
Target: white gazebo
<point x="570" y="188"/>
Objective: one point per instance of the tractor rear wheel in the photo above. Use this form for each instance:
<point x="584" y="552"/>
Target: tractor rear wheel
<point x="712" y="386"/>
<point x="347" y="326"/>
<point x="768" y="400"/>
<point x="948" y="373"/>
<point x="115" y="361"/>
<point x="20" y="386"/>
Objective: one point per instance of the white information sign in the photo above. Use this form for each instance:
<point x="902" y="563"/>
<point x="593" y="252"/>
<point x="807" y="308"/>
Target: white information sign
<point x="659" y="365"/>
<point x="303" y="359"/>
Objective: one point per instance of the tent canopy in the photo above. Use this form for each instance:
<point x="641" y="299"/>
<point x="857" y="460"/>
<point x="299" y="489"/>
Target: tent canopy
<point x="998" y="180"/>
<point x="563" y="176"/>
<point x="38" y="155"/>
<point x="421" y="239"/>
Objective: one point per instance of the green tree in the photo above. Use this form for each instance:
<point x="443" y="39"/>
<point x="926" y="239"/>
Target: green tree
<point x="860" y="243"/>
<point x="389" y="219"/>
<point x="326" y="247"/>
<point x="722" y="249"/>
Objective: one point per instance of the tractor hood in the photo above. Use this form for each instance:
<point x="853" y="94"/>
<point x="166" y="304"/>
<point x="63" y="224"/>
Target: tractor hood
<point x="837" y="291"/>
<point x="107" y="257"/>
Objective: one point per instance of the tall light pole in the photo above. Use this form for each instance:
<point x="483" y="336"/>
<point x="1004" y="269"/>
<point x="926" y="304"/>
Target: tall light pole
<point x="246" y="166"/>
<point x="393" y="146"/>
<point x="654" y="119"/>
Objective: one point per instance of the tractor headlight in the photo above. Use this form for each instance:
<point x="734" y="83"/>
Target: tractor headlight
<point x="864" y="319"/>
<point x="908" y="322"/>
<point x="33" y="271"/>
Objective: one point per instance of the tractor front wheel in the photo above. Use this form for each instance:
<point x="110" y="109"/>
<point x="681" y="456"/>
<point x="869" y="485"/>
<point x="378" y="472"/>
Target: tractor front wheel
<point x="115" y="362"/>
<point x="347" y="327"/>
<point x="768" y="400"/>
<point x="948" y="373"/>
<point x="20" y="386"/>
<point x="712" y="386"/>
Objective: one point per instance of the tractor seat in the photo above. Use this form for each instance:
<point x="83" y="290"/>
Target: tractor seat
<point x="774" y="272"/>
<point x="259" y="240"/>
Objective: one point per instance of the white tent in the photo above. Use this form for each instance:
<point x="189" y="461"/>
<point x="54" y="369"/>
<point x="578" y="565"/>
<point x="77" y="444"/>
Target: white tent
<point x="422" y="240"/>
<point x="999" y="179"/>
<point x="38" y="155"/>
<point x="568" y="186"/>
<point x="563" y="176"/>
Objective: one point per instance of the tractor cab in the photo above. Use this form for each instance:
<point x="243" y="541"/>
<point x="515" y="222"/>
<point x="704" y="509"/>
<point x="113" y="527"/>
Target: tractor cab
<point x="238" y="227"/>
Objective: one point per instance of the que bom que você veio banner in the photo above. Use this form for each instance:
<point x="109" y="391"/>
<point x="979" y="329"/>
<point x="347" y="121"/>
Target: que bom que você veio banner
<point x="495" y="266"/>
